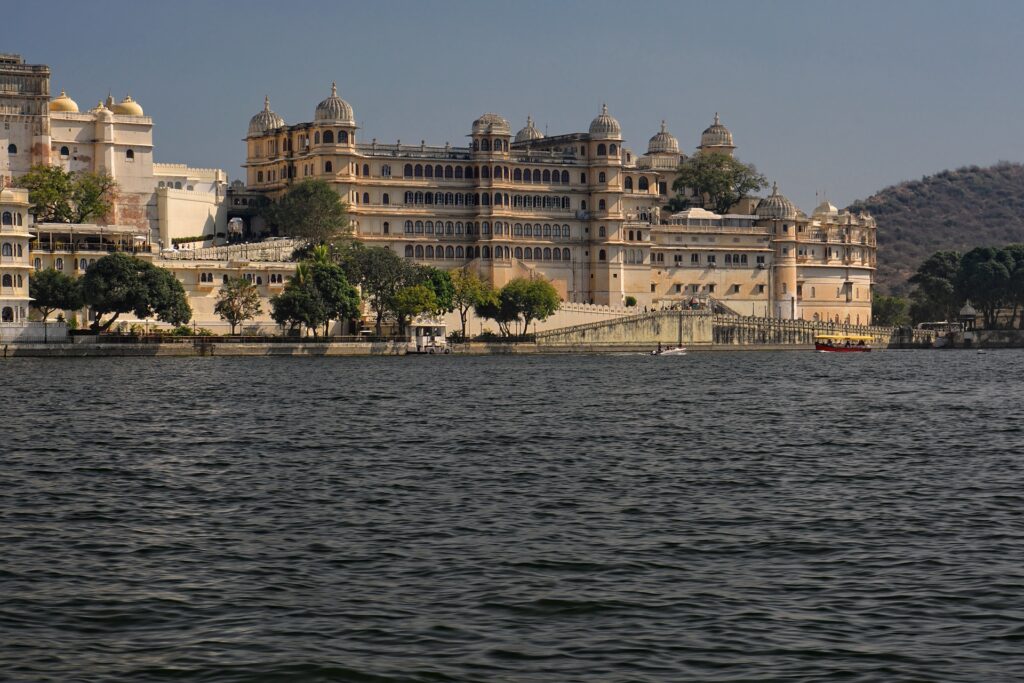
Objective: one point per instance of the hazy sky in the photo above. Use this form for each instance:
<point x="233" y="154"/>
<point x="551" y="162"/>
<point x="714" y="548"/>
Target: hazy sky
<point x="835" y="97"/>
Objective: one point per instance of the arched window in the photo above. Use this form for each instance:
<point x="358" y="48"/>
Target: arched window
<point x="449" y="252"/>
<point x="418" y="171"/>
<point x="601" y="231"/>
<point x="7" y="249"/>
<point x="37" y="264"/>
<point x="385" y="171"/>
<point x="438" y="171"/>
<point x="613" y="150"/>
<point x="517" y="175"/>
<point x="565" y="177"/>
<point x="419" y="197"/>
<point x="487" y="252"/>
<point x="602" y="150"/>
<point x="8" y="315"/>
<point x="408" y="251"/>
<point x="519" y="252"/>
<point x="18" y="219"/>
<point x="449" y="227"/>
<point x="429" y="227"/>
<point x="328" y="137"/>
<point x="8" y="219"/>
<point x="497" y="199"/>
<point x="316" y="138"/>
<point x="458" y="172"/>
<point x="429" y="251"/>
<point x="546" y="176"/>
<point x="64" y="151"/>
<point x="459" y="253"/>
<point x="20" y="252"/>
<point x="583" y="205"/>
<point x="583" y="178"/>
<point x="557" y="254"/>
<point x="485" y="172"/>
<point x="408" y="170"/>
<point x="408" y="226"/>
<point x="497" y="172"/>
<point x="485" y="146"/>
<point x="177" y="185"/>
<point x="601" y="205"/>
<point x="387" y="227"/>
<point x="428" y="171"/>
<point x="419" y="251"/>
<point x="449" y="198"/>
<point x="343" y="137"/>
<point x="419" y="226"/>
<point x="628" y="184"/>
<point x="59" y="264"/>
<point x="470" y="172"/>
<point x="129" y="155"/>
<point x="528" y="254"/>
<point x="8" y="281"/>
<point x="366" y="169"/>
<point x="328" y="167"/>
<point x="12" y="148"/>
<point x="366" y="198"/>
<point x="547" y="230"/>
<point x="642" y="184"/>
<point x="448" y="172"/>
<point x="409" y="197"/>
<point x="547" y="253"/>
<point x="601" y="256"/>
<point x="385" y="199"/>
<point x="536" y="175"/>
<point x="601" y="177"/>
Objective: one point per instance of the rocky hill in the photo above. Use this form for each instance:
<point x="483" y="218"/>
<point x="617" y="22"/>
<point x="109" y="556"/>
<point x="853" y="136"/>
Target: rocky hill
<point x="959" y="210"/>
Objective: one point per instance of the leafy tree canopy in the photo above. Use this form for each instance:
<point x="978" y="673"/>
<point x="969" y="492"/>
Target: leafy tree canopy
<point x="238" y="301"/>
<point x="724" y="179"/>
<point x="53" y="290"/>
<point x="59" y="196"/>
<point x="310" y="210"/>
<point x="890" y="311"/>
<point x="121" y="283"/>
<point x="412" y="301"/>
<point x="468" y="290"/>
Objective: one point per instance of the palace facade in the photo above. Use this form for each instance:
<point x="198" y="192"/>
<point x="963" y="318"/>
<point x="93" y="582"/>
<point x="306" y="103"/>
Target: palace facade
<point x="578" y="209"/>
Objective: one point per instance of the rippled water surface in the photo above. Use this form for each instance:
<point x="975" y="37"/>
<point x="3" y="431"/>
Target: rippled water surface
<point x="716" y="517"/>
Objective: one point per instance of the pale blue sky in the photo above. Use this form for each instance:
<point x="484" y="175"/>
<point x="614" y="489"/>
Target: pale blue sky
<point x="841" y="97"/>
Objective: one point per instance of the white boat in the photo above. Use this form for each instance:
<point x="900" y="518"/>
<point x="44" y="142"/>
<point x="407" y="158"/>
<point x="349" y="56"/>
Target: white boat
<point x="674" y="351"/>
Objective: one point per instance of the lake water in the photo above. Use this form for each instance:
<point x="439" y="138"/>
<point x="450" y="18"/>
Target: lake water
<point x="715" y="517"/>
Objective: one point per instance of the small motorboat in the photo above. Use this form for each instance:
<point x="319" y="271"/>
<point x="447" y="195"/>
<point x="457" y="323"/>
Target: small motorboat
<point x="674" y="351"/>
<point x="842" y="343"/>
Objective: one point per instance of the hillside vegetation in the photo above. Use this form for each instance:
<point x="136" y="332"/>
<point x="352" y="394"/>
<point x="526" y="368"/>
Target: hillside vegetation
<point x="952" y="210"/>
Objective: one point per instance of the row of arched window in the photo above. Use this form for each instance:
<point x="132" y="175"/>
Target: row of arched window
<point x="9" y="249"/>
<point x="499" y="172"/>
<point x="499" y="252"/>
<point x="173" y="184"/>
<point x="518" y="230"/>
<point x="328" y="137"/>
<point x="609" y="151"/>
<point x="9" y="280"/>
<point x="12" y="218"/>
<point x="486" y="145"/>
<point x="642" y="184"/>
<point x="58" y="263"/>
<point x="481" y="199"/>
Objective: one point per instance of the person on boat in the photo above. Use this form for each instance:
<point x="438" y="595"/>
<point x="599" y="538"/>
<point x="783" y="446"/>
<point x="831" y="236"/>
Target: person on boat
<point x="847" y="345"/>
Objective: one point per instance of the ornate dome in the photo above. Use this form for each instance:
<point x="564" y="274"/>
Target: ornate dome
<point x="605" y="126"/>
<point x="335" y="109"/>
<point x="491" y="124"/>
<point x="826" y="208"/>
<point x="528" y="133"/>
<point x="716" y="135"/>
<point x="128" y="107"/>
<point x="63" y="103"/>
<point x="776" y="206"/>
<point x="663" y="142"/>
<point x="265" y="120"/>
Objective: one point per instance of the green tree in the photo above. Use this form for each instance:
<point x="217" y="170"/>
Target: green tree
<point x="529" y="299"/>
<point x="382" y="273"/>
<point x="440" y="283"/>
<point x="238" y="301"/>
<point x="935" y="294"/>
<point x="890" y="311"/>
<point x="310" y="210"/>
<point x="53" y="290"/>
<point x="339" y="299"/>
<point x="722" y="178"/>
<point x="297" y="306"/>
<point x="984" y="279"/>
<point x="412" y="301"/>
<point x="468" y="290"/>
<point x="493" y="307"/>
<point x="1015" y="288"/>
<point x="59" y="196"/>
<point x="121" y="283"/>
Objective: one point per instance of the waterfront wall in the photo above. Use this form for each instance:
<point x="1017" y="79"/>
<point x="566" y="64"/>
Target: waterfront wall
<point x="32" y="332"/>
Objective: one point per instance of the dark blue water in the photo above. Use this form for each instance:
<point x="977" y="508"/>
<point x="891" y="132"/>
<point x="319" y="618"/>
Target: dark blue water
<point x="718" y="517"/>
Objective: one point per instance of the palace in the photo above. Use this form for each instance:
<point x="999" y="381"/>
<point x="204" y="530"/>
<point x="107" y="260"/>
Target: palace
<point x="578" y="209"/>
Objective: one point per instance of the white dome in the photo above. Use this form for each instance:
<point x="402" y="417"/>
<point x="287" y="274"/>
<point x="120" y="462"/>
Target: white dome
<point x="265" y="120"/>
<point x="776" y="206"/>
<point x="605" y="126"/>
<point x="716" y="135"/>
<point x="528" y="133"/>
<point x="663" y="142"/>
<point x="335" y="110"/>
<point x="826" y="208"/>
<point x="492" y="124"/>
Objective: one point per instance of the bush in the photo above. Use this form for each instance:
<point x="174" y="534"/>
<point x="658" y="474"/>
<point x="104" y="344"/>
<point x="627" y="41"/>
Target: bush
<point x="630" y="301"/>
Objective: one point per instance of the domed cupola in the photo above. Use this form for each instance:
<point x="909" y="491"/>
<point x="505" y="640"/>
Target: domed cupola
<point x="63" y="103"/>
<point x="128" y="107"/>
<point x="264" y="121"/>
<point x="335" y="110"/>
<point x="716" y="136"/>
<point x="663" y="142"/>
<point x="528" y="133"/>
<point x="492" y="124"/>
<point x="826" y="208"/>
<point x="605" y="127"/>
<point x="776" y="206"/>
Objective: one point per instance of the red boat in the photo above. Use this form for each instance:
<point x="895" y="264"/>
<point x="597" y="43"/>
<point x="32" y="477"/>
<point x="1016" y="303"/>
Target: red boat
<point x="842" y="343"/>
